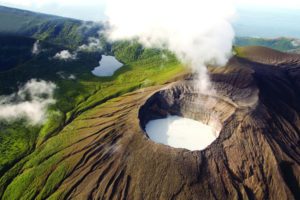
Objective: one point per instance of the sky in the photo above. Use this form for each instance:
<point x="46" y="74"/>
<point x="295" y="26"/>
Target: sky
<point x="252" y="16"/>
<point x="94" y="9"/>
<point x="283" y="4"/>
<point x="78" y="9"/>
<point x="267" y="23"/>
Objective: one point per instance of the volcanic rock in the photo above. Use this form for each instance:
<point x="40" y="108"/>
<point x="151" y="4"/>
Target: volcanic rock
<point x="256" y="156"/>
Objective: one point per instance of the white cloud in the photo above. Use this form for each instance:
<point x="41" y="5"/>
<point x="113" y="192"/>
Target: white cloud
<point x="198" y="32"/>
<point x="36" y="49"/>
<point x="93" y="9"/>
<point x="94" y="44"/>
<point x="30" y="102"/>
<point x="72" y="77"/>
<point x="295" y="42"/>
<point x="65" y="75"/>
<point x="65" y="55"/>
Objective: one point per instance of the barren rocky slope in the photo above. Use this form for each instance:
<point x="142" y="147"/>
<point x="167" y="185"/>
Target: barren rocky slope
<point x="108" y="155"/>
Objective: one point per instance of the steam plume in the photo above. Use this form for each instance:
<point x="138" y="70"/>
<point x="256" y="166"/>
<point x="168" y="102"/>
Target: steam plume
<point x="197" y="31"/>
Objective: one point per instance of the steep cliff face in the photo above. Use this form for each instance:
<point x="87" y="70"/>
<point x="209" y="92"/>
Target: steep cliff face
<point x="256" y="156"/>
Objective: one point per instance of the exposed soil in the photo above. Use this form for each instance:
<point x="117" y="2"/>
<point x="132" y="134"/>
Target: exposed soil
<point x="256" y="155"/>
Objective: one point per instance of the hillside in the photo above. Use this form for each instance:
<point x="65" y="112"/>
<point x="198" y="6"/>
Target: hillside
<point x="143" y="67"/>
<point x="281" y="44"/>
<point x="53" y="29"/>
<point x="103" y="152"/>
<point x="93" y="144"/>
<point x="14" y="51"/>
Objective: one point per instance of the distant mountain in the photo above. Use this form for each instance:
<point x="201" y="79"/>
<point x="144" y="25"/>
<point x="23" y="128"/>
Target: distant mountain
<point x="54" y="29"/>
<point x="282" y="44"/>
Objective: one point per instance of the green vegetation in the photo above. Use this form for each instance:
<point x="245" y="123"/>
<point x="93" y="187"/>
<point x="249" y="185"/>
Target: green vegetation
<point x="33" y="159"/>
<point x="53" y="29"/>
<point x="281" y="44"/>
<point x="16" y="140"/>
<point x="31" y="164"/>
<point x="14" y="51"/>
<point x="26" y="151"/>
<point x="42" y="66"/>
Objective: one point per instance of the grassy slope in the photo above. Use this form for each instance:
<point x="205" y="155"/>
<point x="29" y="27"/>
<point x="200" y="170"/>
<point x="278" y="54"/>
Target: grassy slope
<point x="27" y="160"/>
<point x="18" y="139"/>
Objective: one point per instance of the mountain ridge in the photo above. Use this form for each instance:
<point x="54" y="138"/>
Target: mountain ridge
<point x="54" y="29"/>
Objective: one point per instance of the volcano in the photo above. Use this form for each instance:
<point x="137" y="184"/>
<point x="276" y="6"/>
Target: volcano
<point x="106" y="152"/>
<point x="255" y="156"/>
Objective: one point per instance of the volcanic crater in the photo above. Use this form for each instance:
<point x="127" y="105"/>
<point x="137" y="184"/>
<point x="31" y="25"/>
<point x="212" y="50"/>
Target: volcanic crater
<point x="255" y="109"/>
<point x="185" y="99"/>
